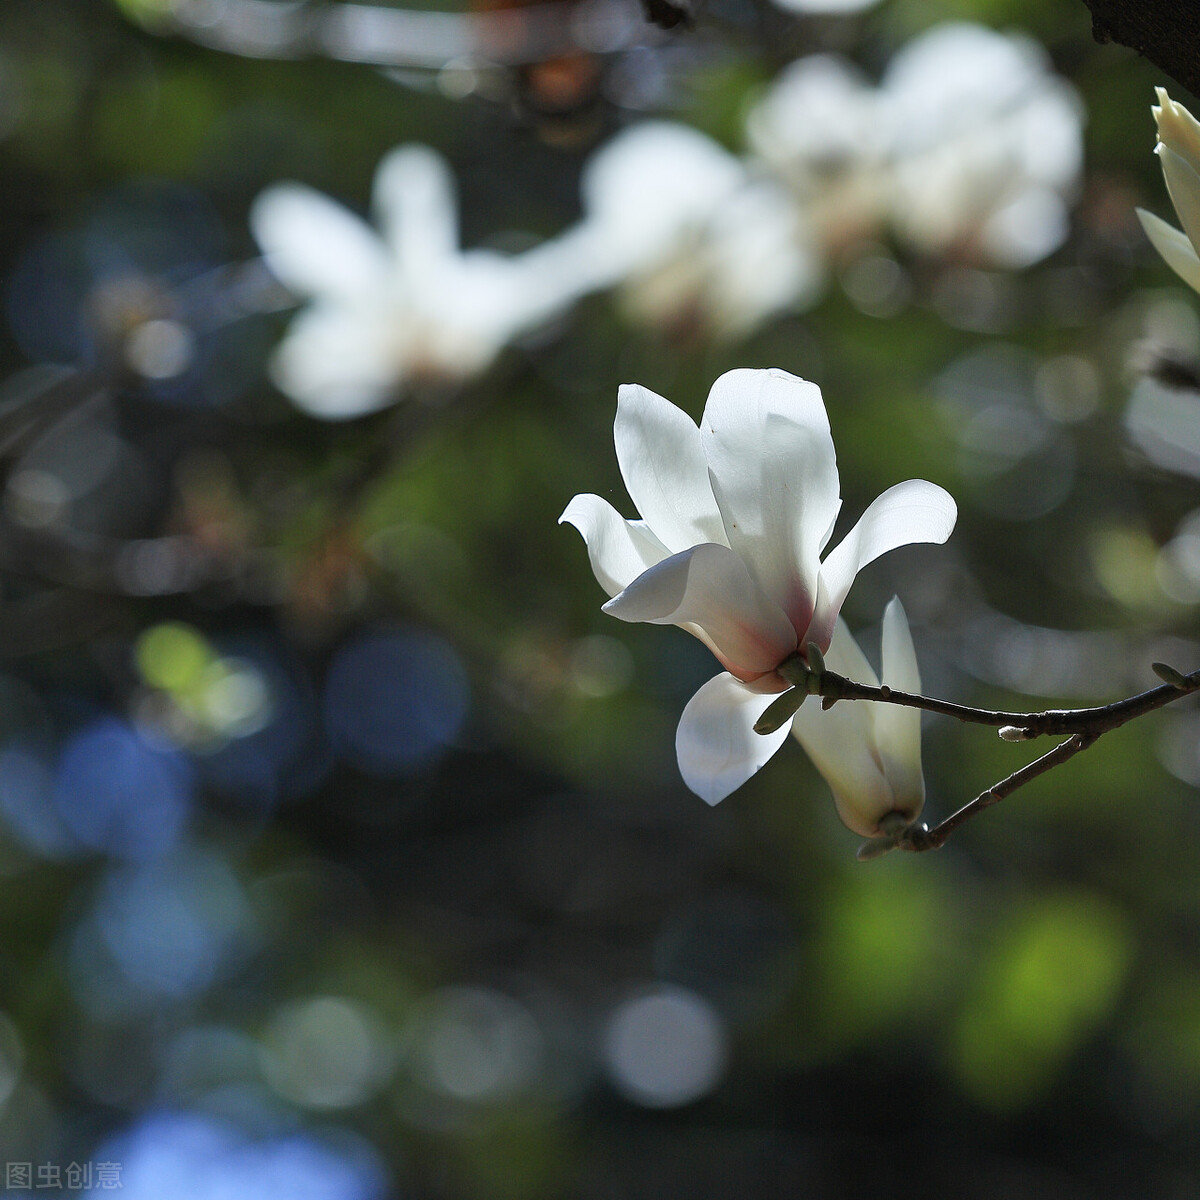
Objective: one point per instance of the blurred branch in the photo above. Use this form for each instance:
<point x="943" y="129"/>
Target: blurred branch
<point x="1083" y="725"/>
<point x="56" y="618"/>
<point x="399" y="37"/>
<point x="155" y="566"/>
<point x="1167" y="32"/>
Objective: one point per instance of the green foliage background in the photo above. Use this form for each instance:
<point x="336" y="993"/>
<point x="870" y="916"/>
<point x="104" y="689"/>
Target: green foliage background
<point x="1017" y="1013"/>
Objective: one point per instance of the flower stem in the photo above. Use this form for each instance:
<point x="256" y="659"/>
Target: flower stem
<point x="1054" y="722"/>
<point x="1080" y="727"/>
<point x="920" y="837"/>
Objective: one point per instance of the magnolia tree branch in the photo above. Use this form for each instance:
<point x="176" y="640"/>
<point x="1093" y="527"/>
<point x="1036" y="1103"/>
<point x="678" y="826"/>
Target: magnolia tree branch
<point x="1082" y="725"/>
<point x="921" y="837"/>
<point x="1167" y="32"/>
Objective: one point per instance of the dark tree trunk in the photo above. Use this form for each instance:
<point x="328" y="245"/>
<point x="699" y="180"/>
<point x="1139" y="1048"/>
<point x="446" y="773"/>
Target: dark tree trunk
<point x="1167" y="32"/>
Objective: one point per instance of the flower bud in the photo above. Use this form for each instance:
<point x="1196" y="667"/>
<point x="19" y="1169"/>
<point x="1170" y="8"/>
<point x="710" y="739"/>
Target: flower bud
<point x="1178" y="150"/>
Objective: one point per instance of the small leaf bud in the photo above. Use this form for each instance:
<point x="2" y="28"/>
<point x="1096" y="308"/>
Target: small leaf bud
<point x="1170" y="675"/>
<point x="1014" y="733"/>
<point x="782" y="708"/>
<point x="875" y="848"/>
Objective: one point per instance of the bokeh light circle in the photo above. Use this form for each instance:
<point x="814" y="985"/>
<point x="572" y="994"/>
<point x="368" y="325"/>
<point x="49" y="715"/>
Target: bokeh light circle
<point x="395" y="701"/>
<point x="116" y="793"/>
<point x="665" y="1047"/>
<point x="325" y="1052"/>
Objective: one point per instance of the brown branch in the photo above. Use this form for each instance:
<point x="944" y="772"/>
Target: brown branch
<point x="1015" y="726"/>
<point x="1083" y="727"/>
<point x="920" y="837"/>
<point x="1167" y="32"/>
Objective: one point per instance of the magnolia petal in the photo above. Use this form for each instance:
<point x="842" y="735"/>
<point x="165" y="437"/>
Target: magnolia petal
<point x="840" y="743"/>
<point x="416" y="208"/>
<point x="897" y="728"/>
<point x="913" y="511"/>
<point x="315" y="246"/>
<point x="619" y="550"/>
<point x="1183" y="183"/>
<point x="335" y="363"/>
<point x="845" y="658"/>
<point x="1176" y="126"/>
<point x="717" y="747"/>
<point x="1173" y="245"/>
<point x="665" y="472"/>
<point x="1179" y="150"/>
<point x="646" y="189"/>
<point x="774" y="474"/>
<point x="708" y="585"/>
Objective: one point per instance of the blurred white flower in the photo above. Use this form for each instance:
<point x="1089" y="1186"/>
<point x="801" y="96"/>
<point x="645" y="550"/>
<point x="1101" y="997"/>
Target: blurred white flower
<point x="818" y="129"/>
<point x="869" y="754"/>
<point x="1178" y="150"/>
<point x="647" y="188"/>
<point x="399" y="306"/>
<point x="735" y="517"/>
<point x="970" y="144"/>
<point x="826" y="7"/>
<point x="688" y="236"/>
<point x="986" y="142"/>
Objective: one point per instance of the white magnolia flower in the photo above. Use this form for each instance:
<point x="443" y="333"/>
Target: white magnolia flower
<point x="687" y="234"/>
<point x="970" y="144"/>
<point x="838" y="8"/>
<point x="735" y="516"/>
<point x="1178" y="150"/>
<point x="869" y="754"/>
<point x="818" y="127"/>
<point x="398" y="306"/>
<point x="646" y="189"/>
<point x="986" y="141"/>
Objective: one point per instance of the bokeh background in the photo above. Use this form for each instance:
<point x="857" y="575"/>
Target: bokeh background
<point x="344" y="853"/>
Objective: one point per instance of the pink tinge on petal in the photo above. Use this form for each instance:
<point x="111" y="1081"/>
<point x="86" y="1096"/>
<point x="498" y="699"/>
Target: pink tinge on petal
<point x="765" y="682"/>
<point x="708" y="586"/>
<point x="800" y="605"/>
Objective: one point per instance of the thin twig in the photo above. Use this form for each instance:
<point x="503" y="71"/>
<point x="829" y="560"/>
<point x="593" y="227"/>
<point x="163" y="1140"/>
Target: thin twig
<point x="920" y="837"/>
<point x="1053" y="722"/>
<point x="1082" y="727"/>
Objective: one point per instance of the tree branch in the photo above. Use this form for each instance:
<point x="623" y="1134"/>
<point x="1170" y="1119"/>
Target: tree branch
<point x="1015" y="726"/>
<point x="1084" y="726"/>
<point x="920" y="837"/>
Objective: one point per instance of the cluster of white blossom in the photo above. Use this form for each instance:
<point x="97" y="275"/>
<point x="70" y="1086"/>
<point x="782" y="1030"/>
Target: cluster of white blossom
<point x="969" y="146"/>
<point x="735" y="516"/>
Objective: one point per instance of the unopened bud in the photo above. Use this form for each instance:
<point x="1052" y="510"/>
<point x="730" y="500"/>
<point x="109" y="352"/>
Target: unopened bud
<point x="1014" y="733"/>
<point x="780" y="710"/>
